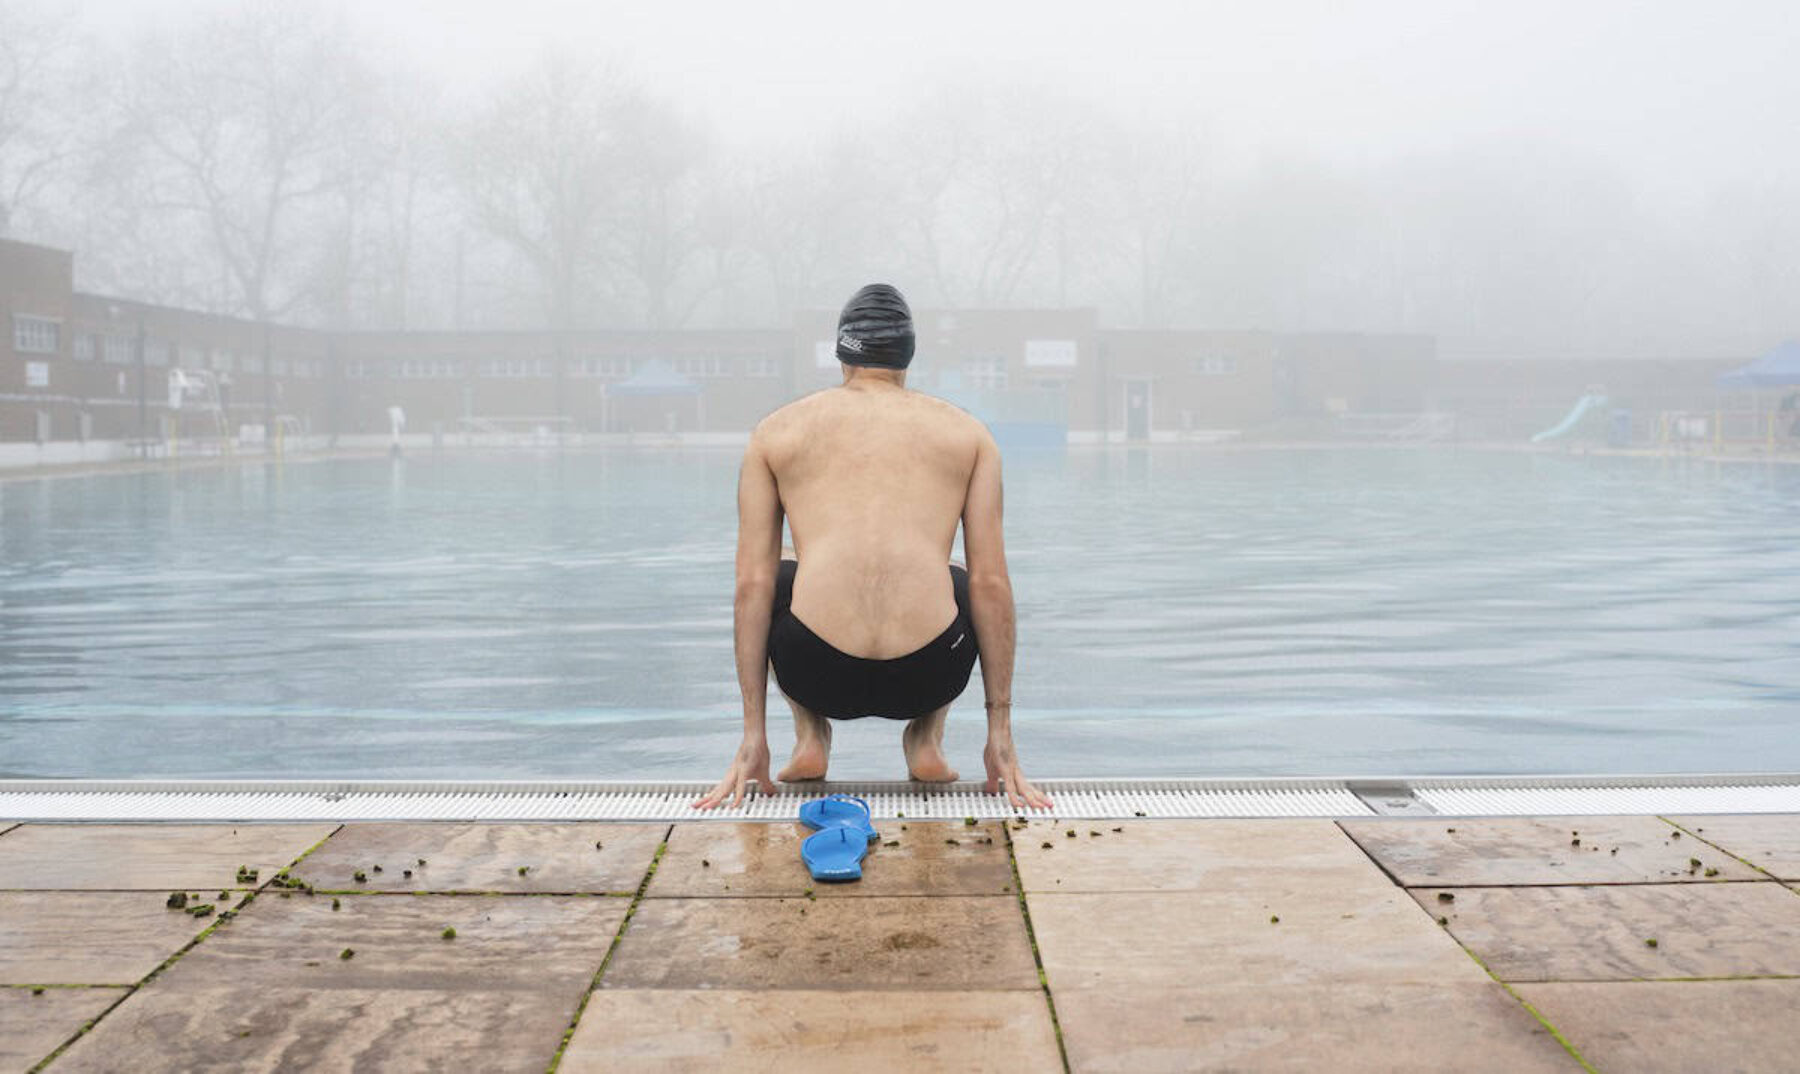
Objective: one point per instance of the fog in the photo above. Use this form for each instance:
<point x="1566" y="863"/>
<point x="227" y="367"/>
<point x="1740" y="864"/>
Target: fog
<point x="1602" y="180"/>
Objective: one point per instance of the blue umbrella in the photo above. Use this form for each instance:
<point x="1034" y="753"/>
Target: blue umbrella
<point x="1777" y="369"/>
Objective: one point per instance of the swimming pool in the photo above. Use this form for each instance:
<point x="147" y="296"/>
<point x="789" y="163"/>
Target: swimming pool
<point x="1182" y="611"/>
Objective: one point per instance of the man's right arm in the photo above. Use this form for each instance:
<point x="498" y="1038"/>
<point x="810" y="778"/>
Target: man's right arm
<point x="995" y="620"/>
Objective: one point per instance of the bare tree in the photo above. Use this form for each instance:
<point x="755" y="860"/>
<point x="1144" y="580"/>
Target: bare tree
<point x="238" y="125"/>
<point x="539" y="169"/>
<point x="38" y="135"/>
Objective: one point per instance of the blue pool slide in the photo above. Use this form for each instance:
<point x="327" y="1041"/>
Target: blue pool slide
<point x="1584" y="406"/>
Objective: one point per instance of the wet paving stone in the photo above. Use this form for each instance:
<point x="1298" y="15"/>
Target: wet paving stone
<point x="794" y="1032"/>
<point x="872" y="943"/>
<point x="1184" y="938"/>
<point x="89" y="937"/>
<point x="1453" y="851"/>
<point x="1661" y="1027"/>
<point x="1601" y="933"/>
<point x="501" y="942"/>
<point x="1338" y="1026"/>
<point x="223" y="1030"/>
<point x="1770" y="841"/>
<point x="557" y="857"/>
<point x="99" y="857"/>
<point x="31" y="1027"/>
<point x="1187" y="855"/>
<point x="734" y="860"/>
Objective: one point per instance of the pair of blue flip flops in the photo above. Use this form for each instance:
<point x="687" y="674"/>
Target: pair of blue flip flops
<point x="835" y="852"/>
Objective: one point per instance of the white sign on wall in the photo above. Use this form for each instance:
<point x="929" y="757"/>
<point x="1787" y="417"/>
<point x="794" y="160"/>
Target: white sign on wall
<point x="1050" y="352"/>
<point x="37" y="374"/>
<point x="825" y="353"/>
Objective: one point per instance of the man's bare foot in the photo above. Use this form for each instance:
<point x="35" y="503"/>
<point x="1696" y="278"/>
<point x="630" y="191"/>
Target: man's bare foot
<point x="925" y="760"/>
<point x="811" y="756"/>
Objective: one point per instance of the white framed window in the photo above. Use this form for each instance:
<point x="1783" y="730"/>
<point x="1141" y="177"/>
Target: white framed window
<point x="37" y="374"/>
<point x="1214" y="365"/>
<point x="156" y="352"/>
<point x="761" y="367"/>
<point x="986" y="372"/>
<point x="36" y="335"/>
<point x="84" y="347"/>
<point x="117" y="350"/>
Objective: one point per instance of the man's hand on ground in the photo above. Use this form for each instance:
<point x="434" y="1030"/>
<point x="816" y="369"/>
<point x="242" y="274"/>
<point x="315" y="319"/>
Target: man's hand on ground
<point x="1003" y="767"/>
<point x="751" y="763"/>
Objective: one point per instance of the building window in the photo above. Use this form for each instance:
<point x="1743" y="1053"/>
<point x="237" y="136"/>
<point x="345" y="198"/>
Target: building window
<point x="156" y="352"/>
<point x="223" y="362"/>
<point x="987" y="373"/>
<point x="85" y="347"/>
<point x="253" y="363"/>
<point x="37" y="374"/>
<point x="761" y="367"/>
<point x="36" y="335"/>
<point x="118" y="350"/>
<point x="1214" y="365"/>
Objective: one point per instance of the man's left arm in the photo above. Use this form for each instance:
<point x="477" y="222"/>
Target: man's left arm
<point x="758" y="563"/>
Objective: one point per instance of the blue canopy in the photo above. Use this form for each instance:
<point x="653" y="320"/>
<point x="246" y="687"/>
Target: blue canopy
<point x="1776" y="369"/>
<point x="654" y="377"/>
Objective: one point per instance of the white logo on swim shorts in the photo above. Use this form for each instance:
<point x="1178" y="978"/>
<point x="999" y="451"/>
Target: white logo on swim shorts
<point x="850" y="343"/>
<point x="958" y="640"/>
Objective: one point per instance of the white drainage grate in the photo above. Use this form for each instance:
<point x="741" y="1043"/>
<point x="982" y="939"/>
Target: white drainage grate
<point x="1601" y="795"/>
<point x="339" y="800"/>
<point x="432" y="800"/>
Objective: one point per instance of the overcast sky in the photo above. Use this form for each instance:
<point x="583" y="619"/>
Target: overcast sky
<point x="1683" y="96"/>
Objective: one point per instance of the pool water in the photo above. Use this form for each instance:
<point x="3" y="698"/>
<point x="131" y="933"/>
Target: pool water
<point x="1182" y="611"/>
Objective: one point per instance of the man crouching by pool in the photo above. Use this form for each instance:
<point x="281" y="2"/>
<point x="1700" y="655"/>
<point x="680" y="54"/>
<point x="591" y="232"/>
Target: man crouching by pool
<point x="872" y="479"/>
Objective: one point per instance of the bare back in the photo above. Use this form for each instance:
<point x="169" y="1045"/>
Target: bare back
<point x="873" y="483"/>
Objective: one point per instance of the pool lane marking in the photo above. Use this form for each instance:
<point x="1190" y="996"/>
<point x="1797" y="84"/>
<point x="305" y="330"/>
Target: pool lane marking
<point x="606" y="960"/>
<point x="131" y="990"/>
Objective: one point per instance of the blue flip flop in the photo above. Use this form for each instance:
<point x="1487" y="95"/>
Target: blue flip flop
<point x="834" y="854"/>
<point x="838" y="811"/>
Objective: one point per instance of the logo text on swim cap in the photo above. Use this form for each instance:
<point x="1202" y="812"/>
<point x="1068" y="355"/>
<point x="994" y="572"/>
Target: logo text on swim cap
<point x="850" y="343"/>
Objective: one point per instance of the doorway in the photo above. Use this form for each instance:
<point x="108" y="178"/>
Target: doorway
<point x="1137" y="408"/>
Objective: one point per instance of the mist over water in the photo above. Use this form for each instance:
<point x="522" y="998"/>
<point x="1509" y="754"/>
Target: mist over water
<point x="1449" y="221"/>
<point x="1252" y="613"/>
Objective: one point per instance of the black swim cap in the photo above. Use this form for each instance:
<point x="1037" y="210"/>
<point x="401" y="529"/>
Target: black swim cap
<point x="876" y="329"/>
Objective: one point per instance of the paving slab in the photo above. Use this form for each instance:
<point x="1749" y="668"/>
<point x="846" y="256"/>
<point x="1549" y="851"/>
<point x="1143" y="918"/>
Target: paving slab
<point x="1452" y="851"/>
<point x="226" y="1030"/>
<point x="485" y="857"/>
<point x="502" y="942"/>
<point x="963" y="943"/>
<point x="733" y="860"/>
<point x="101" y="857"/>
<point x="1771" y="841"/>
<point x="1180" y="939"/>
<point x="1600" y="933"/>
<point x="1187" y="855"/>
<point x="89" y="937"/>
<point x="32" y="1027"/>
<point x="793" y="1032"/>
<point x="1362" y="1025"/>
<point x="1678" y="1027"/>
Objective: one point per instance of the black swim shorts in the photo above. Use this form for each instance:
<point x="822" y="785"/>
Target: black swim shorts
<point x="843" y="687"/>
